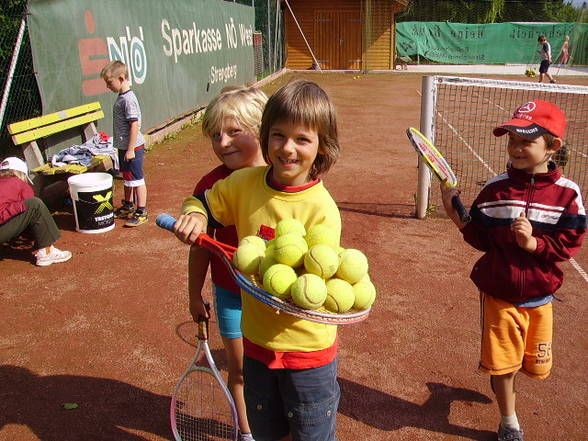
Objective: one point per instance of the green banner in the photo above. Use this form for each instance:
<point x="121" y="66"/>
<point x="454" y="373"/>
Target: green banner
<point x="495" y="43"/>
<point x="180" y="53"/>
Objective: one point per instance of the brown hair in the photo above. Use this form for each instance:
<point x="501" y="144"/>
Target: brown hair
<point x="115" y="68"/>
<point x="306" y="103"/>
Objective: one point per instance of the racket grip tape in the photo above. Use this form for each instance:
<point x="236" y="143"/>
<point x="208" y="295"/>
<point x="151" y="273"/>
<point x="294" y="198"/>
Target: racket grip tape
<point x="461" y="210"/>
<point x="165" y="221"/>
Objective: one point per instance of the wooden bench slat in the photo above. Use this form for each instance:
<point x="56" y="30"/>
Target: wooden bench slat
<point x="56" y="127"/>
<point x="50" y="118"/>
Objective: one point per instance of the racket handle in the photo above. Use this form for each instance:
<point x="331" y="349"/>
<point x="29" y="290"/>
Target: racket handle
<point x="165" y="221"/>
<point x="461" y="211"/>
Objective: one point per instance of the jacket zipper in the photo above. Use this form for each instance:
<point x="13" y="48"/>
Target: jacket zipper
<point x="528" y="199"/>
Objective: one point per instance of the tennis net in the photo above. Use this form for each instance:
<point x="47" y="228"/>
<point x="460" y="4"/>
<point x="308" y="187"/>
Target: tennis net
<point x="458" y="114"/>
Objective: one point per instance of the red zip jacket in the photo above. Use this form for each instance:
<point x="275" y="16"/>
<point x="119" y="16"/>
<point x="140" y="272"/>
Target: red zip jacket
<point x="13" y="193"/>
<point x="553" y="205"/>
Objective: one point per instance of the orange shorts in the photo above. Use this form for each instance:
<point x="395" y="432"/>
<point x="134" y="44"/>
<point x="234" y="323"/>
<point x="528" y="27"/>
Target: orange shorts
<point x="515" y="338"/>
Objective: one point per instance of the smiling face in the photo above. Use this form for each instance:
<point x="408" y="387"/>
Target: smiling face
<point x="292" y="150"/>
<point x="235" y="146"/>
<point x="530" y="155"/>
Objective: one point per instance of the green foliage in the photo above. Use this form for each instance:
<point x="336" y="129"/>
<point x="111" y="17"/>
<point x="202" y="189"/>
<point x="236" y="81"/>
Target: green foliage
<point x="495" y="10"/>
<point x="489" y="11"/>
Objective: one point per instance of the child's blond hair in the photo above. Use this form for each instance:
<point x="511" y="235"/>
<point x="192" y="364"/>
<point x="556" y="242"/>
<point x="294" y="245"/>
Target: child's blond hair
<point x="245" y="104"/>
<point x="114" y="69"/>
<point x="306" y="103"/>
<point x="14" y="173"/>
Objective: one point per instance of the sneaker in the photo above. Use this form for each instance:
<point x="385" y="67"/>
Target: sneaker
<point x="246" y="437"/>
<point x="125" y="211"/>
<point x="137" y="218"/>
<point x="55" y="255"/>
<point x="507" y="434"/>
<point x="552" y="81"/>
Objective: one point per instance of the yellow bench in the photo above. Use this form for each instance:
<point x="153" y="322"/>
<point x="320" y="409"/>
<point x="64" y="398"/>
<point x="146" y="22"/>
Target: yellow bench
<point x="27" y="133"/>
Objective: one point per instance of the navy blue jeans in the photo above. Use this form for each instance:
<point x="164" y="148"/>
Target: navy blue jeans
<point x="302" y="402"/>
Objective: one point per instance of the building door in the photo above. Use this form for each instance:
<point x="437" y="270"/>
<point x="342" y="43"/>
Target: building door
<point x="337" y="39"/>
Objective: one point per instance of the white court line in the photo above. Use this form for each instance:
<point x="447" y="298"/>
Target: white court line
<point x="578" y="268"/>
<point x="573" y="261"/>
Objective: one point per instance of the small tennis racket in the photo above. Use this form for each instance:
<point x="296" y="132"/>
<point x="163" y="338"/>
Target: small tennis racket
<point x="437" y="163"/>
<point x="202" y="407"/>
<point x="252" y="286"/>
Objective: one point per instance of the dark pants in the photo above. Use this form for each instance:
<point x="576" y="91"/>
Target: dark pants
<point x="302" y="402"/>
<point x="35" y="219"/>
<point x="544" y="67"/>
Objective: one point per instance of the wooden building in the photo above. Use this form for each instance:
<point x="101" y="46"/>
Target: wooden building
<point x="341" y="34"/>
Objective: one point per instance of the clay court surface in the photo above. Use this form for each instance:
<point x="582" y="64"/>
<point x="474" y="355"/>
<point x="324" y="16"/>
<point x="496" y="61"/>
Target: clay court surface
<point x="110" y="329"/>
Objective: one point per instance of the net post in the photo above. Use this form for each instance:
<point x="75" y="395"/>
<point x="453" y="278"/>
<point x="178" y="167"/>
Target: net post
<point x="426" y="128"/>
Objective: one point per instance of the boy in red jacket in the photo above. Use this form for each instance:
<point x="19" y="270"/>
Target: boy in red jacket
<point x="525" y="221"/>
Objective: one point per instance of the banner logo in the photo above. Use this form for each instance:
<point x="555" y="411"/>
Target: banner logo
<point x="95" y="53"/>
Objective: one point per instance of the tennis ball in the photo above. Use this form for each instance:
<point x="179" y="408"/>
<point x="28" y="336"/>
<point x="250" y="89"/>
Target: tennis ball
<point x="266" y="262"/>
<point x="269" y="247"/>
<point x="322" y="234"/>
<point x="321" y="260"/>
<point x="254" y="240"/>
<point x="278" y="279"/>
<point x="309" y="291"/>
<point x="365" y="293"/>
<point x="247" y="258"/>
<point x="340" y="296"/>
<point x="353" y="265"/>
<point x="290" y="249"/>
<point x="286" y="226"/>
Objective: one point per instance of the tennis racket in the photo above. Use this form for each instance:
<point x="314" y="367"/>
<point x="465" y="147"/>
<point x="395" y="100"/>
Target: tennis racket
<point x="438" y="165"/>
<point x="202" y="408"/>
<point x="253" y="286"/>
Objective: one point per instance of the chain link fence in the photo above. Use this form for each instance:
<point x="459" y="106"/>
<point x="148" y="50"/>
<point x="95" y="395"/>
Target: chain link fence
<point x="20" y="95"/>
<point x="270" y="45"/>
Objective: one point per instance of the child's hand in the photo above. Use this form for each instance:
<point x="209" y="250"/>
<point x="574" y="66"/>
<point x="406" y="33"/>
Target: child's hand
<point x="523" y="231"/>
<point x="197" y="309"/>
<point x="189" y="226"/>
<point x="130" y="155"/>
<point x="447" y="194"/>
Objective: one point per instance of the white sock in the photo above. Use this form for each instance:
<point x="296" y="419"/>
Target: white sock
<point x="510" y="422"/>
<point x="245" y="437"/>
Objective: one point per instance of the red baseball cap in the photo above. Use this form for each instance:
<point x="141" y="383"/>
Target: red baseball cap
<point x="534" y="119"/>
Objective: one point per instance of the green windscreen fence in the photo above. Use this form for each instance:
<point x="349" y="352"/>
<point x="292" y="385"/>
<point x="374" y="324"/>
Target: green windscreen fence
<point x="495" y="43"/>
<point x="180" y="53"/>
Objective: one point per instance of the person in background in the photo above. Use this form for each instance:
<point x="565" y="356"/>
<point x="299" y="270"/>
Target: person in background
<point x="545" y="52"/>
<point x="130" y="143"/>
<point x="21" y="211"/>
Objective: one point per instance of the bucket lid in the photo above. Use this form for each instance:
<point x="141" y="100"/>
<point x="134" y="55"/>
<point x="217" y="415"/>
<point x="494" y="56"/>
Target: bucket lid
<point x="90" y="179"/>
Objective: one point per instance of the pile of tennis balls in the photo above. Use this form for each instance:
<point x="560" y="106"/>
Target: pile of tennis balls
<point x="531" y="73"/>
<point x="308" y="267"/>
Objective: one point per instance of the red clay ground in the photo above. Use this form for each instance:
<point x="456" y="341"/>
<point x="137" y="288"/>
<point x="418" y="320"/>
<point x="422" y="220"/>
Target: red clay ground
<point x="110" y="330"/>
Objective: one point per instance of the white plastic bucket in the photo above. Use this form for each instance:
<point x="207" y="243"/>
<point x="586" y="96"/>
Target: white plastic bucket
<point x="91" y="194"/>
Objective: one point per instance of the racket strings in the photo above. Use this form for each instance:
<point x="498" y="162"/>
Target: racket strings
<point x="202" y="412"/>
